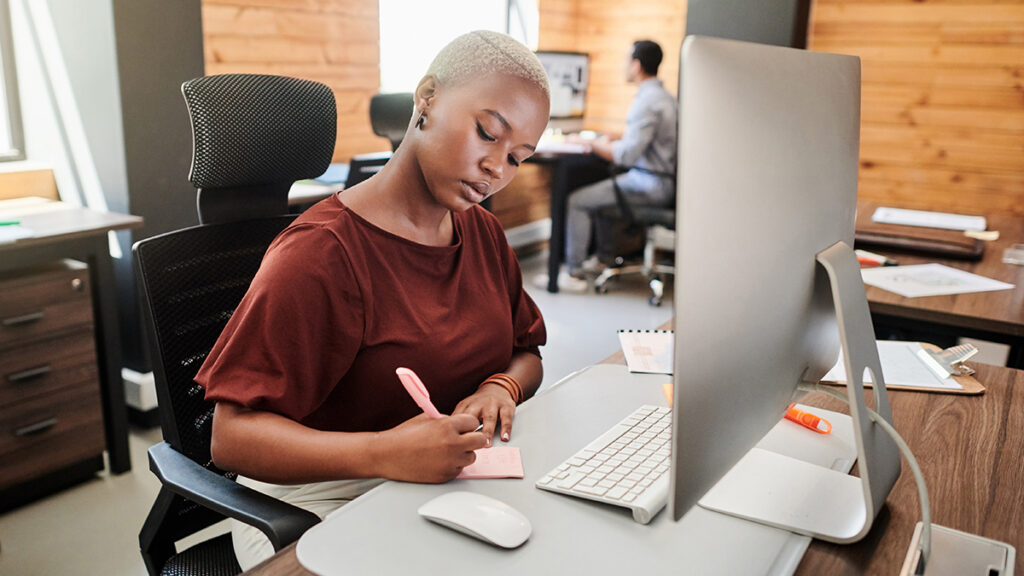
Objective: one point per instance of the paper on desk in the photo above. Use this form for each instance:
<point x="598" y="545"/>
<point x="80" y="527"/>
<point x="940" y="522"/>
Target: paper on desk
<point x="495" y="462"/>
<point x="900" y="367"/>
<point x="550" y="147"/>
<point x="648" y="351"/>
<point x="928" y="280"/>
<point x="14" y="233"/>
<point x="928" y="219"/>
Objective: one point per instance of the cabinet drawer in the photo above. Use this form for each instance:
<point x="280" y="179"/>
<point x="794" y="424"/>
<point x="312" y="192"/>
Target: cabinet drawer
<point x="45" y="434"/>
<point x="41" y="300"/>
<point x="46" y="367"/>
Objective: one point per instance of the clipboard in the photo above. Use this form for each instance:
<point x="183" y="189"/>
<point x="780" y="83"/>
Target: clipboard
<point x="970" y="385"/>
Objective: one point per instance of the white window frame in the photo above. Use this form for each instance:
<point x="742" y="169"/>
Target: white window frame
<point x="10" y="108"/>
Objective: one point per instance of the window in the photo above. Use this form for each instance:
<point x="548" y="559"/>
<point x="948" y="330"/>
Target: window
<point x="11" y="140"/>
<point x="411" y="34"/>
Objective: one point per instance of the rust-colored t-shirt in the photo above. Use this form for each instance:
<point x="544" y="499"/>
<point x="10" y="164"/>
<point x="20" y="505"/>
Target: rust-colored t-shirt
<point x="339" y="303"/>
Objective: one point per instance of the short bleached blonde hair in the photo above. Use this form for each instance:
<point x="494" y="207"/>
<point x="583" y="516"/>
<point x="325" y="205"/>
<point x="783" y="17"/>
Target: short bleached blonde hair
<point x="480" y="52"/>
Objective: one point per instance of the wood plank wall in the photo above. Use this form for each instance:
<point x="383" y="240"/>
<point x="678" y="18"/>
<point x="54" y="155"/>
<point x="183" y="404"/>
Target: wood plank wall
<point x="942" y="121"/>
<point x="606" y="29"/>
<point x="943" y="93"/>
<point x="942" y="96"/>
<point x="331" y="41"/>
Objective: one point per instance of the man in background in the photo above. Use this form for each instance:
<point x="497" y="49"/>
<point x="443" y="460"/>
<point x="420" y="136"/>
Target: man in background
<point x="646" y="150"/>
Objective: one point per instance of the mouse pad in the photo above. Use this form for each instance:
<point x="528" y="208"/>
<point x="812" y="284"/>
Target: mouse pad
<point x="495" y="462"/>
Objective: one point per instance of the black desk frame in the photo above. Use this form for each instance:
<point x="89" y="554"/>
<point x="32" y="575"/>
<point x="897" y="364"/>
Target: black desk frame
<point x="888" y="326"/>
<point x="568" y="172"/>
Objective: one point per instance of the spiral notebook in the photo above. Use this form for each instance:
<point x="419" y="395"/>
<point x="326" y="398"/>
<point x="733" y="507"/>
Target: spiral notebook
<point x="648" y="351"/>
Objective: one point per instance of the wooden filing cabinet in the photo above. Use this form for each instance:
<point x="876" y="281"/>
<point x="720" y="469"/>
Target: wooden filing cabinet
<point x="51" y="418"/>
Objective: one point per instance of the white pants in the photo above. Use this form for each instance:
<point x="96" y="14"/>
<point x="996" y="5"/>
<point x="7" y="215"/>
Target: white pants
<point x="321" y="498"/>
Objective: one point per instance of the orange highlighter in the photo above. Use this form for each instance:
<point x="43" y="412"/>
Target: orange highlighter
<point x="808" y="420"/>
<point x="805" y="419"/>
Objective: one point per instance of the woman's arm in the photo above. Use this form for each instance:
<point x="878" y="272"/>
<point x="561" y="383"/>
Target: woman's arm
<point x="492" y="403"/>
<point x="272" y="448"/>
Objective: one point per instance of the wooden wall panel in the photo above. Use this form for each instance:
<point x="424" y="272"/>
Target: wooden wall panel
<point x="943" y="80"/>
<point x="942" y="123"/>
<point x="526" y="199"/>
<point x="331" y="41"/>
<point x="942" y="96"/>
<point x="606" y="29"/>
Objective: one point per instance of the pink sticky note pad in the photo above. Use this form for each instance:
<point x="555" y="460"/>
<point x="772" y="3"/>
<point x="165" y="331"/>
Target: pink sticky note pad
<point x="495" y="462"/>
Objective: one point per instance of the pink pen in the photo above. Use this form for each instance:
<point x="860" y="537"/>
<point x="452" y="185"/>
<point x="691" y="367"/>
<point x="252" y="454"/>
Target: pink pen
<point x="414" y="386"/>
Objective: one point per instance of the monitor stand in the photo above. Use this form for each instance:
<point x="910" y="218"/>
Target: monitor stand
<point x="792" y="492"/>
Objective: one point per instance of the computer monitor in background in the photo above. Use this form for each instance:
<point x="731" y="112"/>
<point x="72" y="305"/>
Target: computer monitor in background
<point x="768" y="158"/>
<point x="568" y="74"/>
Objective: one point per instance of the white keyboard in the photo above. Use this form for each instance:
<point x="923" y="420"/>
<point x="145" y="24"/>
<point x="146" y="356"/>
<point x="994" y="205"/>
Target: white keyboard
<point x="626" y="466"/>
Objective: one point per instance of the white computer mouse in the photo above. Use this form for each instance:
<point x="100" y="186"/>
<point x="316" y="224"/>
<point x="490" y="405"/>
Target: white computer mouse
<point x="479" y="516"/>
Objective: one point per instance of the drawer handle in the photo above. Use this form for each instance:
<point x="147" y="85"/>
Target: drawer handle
<point x="37" y="428"/>
<point x="26" y="319"/>
<point x="29" y="374"/>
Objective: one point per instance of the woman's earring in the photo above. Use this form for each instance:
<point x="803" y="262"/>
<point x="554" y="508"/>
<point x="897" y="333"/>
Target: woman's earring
<point x="421" y="120"/>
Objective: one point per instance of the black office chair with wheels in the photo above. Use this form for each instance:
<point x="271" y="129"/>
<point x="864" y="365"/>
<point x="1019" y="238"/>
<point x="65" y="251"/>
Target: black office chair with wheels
<point x="390" y="114"/>
<point x="253" y="136"/>
<point x="658" y="224"/>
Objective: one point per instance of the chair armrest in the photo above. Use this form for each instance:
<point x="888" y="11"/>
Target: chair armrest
<point x="283" y="523"/>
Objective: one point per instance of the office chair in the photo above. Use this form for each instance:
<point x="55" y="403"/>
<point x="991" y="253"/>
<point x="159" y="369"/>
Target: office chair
<point x="659" y="225"/>
<point x="253" y="136"/>
<point x="390" y="115"/>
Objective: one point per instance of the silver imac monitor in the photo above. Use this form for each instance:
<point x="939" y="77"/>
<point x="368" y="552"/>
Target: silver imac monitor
<point x="768" y="289"/>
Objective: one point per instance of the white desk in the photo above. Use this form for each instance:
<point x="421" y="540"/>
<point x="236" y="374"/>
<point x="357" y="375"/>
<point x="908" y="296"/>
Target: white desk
<point x="381" y="533"/>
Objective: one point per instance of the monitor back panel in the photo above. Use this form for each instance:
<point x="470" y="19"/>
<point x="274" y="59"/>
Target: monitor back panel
<point x="768" y="151"/>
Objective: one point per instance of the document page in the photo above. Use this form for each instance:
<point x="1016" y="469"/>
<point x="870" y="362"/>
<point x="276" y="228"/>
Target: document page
<point x="926" y="219"/>
<point x="900" y="367"/>
<point x="13" y="233"/>
<point x="929" y="280"/>
<point x="649" y="351"/>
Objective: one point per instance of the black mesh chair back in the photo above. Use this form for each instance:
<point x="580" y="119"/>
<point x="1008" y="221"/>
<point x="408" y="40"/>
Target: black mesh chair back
<point x="253" y="137"/>
<point x="390" y="115"/>
<point x="193" y="280"/>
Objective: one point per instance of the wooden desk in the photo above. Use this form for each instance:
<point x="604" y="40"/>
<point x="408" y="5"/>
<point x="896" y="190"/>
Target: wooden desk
<point x="969" y="449"/>
<point x="996" y="316"/>
<point x="569" y="171"/>
<point x="65" y="231"/>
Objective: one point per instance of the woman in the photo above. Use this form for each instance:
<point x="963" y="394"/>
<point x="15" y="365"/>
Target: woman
<point x="403" y="269"/>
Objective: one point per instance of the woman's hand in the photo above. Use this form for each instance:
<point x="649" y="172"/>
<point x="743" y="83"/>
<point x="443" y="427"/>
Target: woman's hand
<point x="489" y="404"/>
<point x="424" y="449"/>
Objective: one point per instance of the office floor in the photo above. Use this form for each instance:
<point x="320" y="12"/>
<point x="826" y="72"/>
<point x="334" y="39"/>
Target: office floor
<point x="92" y="529"/>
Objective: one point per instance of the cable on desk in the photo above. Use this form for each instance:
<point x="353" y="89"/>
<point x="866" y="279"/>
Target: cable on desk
<point x="922" y="490"/>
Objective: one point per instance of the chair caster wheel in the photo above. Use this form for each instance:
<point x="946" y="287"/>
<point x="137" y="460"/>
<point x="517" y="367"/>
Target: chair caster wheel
<point x="657" y="291"/>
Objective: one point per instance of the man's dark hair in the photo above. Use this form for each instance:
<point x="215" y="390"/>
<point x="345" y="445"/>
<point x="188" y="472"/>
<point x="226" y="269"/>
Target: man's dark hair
<point x="649" y="55"/>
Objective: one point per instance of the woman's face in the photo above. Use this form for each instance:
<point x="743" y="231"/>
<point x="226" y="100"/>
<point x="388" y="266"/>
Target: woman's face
<point x="476" y="135"/>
